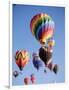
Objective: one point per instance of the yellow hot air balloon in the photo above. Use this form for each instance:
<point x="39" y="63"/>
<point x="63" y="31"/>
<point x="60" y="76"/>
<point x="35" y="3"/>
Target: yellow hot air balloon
<point x="51" y="43"/>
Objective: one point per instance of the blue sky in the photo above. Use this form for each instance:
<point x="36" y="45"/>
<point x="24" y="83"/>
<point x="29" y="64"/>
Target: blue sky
<point x="23" y="39"/>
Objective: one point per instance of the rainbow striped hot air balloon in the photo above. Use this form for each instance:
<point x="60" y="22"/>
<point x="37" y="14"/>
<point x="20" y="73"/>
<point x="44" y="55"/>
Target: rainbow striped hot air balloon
<point x="42" y="27"/>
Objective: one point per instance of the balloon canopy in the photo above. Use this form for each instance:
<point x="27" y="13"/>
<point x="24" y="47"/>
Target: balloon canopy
<point x="15" y="73"/>
<point x="44" y="54"/>
<point x="36" y="61"/>
<point x="33" y="79"/>
<point x="21" y="58"/>
<point x="42" y="27"/>
<point x="26" y="80"/>
<point x="51" y="42"/>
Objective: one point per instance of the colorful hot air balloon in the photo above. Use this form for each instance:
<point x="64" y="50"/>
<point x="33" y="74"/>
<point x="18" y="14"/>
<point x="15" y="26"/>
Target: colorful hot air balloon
<point x="21" y="58"/>
<point x="26" y="80"/>
<point x="33" y="79"/>
<point x="36" y="61"/>
<point x="51" y="42"/>
<point x="42" y="27"/>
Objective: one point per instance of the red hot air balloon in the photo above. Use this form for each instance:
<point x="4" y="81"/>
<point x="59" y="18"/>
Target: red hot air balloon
<point x="26" y="80"/>
<point x="33" y="79"/>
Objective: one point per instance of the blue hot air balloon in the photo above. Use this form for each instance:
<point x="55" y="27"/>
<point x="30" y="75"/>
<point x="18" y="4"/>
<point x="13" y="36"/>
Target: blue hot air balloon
<point x="37" y="61"/>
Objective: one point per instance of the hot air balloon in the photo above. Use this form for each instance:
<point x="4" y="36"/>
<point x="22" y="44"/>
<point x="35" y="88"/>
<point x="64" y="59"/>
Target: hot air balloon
<point x="33" y="79"/>
<point x="55" y="68"/>
<point x="21" y="58"/>
<point x="42" y="27"/>
<point x="26" y="80"/>
<point x="15" y="73"/>
<point x="45" y="53"/>
<point x="45" y="71"/>
<point x="36" y="61"/>
<point x="51" y="43"/>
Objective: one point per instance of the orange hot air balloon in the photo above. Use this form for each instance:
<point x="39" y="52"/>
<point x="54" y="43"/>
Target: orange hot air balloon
<point x="21" y="58"/>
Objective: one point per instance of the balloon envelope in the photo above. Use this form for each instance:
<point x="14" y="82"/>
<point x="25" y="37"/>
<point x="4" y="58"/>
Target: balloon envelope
<point x="42" y="27"/>
<point x="26" y="80"/>
<point x="51" y="42"/>
<point x="21" y="58"/>
<point x="33" y="79"/>
<point x="44" y="54"/>
<point x="36" y="61"/>
<point x="15" y="73"/>
<point x="55" y="69"/>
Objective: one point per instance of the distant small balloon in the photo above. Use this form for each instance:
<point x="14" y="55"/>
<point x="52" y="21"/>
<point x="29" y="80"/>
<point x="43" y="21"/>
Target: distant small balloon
<point x="45" y="71"/>
<point x="55" y="69"/>
<point x="33" y="79"/>
<point x="51" y="42"/>
<point x="15" y="73"/>
<point x="26" y="80"/>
